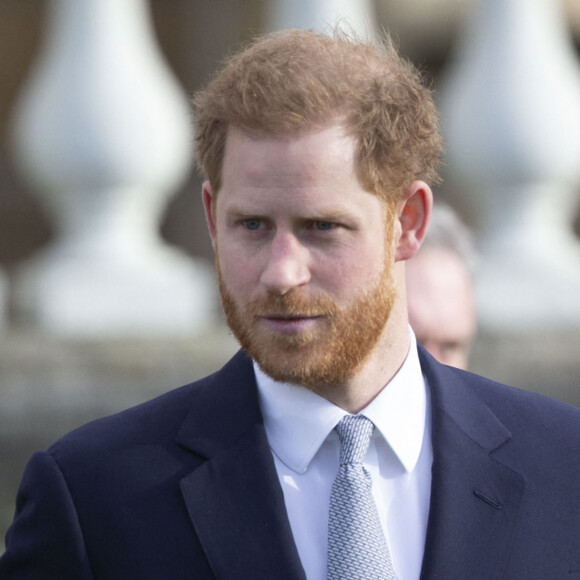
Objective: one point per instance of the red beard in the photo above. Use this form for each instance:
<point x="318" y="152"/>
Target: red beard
<point x="332" y="352"/>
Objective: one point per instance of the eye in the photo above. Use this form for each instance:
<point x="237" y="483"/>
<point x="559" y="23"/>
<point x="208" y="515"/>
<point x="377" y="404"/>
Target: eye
<point x="321" y="225"/>
<point x="252" y="224"/>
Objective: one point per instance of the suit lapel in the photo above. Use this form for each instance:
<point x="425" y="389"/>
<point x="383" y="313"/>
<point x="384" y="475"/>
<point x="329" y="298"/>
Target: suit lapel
<point x="234" y="499"/>
<point x="475" y="499"/>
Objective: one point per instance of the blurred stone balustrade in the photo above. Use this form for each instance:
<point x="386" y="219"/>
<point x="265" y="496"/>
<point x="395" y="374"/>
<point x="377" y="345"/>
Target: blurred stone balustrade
<point x="321" y="14"/>
<point x="511" y="118"/>
<point x="102" y="133"/>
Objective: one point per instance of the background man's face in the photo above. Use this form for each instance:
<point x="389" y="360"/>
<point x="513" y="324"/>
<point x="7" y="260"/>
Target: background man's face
<point x="304" y="259"/>
<point x="441" y="305"/>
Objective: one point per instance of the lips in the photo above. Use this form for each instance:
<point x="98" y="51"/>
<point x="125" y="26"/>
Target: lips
<point x="286" y="316"/>
<point x="290" y="323"/>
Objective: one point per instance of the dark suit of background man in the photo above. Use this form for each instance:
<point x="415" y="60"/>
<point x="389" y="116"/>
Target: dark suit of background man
<point x="318" y="154"/>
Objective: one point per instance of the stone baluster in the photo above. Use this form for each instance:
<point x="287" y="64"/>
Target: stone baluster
<point x="102" y="132"/>
<point x="511" y="118"/>
<point x="321" y="14"/>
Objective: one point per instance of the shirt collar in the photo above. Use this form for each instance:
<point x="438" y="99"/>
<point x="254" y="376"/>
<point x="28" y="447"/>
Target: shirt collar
<point x="297" y="420"/>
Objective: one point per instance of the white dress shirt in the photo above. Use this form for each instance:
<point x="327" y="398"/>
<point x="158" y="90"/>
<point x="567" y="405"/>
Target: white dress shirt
<point x="300" y="429"/>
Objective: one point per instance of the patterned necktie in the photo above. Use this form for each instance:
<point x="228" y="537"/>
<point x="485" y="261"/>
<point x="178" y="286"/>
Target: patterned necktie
<point x="357" y="548"/>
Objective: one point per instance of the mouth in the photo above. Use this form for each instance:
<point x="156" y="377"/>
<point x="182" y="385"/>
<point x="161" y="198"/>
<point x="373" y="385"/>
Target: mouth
<point x="290" y="323"/>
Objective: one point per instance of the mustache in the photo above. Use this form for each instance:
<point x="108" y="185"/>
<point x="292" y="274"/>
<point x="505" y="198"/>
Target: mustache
<point x="292" y="304"/>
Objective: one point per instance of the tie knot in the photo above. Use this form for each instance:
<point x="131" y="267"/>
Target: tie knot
<point x="354" y="432"/>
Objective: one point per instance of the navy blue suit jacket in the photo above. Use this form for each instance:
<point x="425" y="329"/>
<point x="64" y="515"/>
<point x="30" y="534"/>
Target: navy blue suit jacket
<point x="185" y="487"/>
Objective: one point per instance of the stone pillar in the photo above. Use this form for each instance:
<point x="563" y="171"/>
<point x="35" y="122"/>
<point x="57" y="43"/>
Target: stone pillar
<point x="102" y="132"/>
<point x="511" y="118"/>
<point x="321" y="14"/>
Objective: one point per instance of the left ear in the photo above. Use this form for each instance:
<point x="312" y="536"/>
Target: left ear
<point x="412" y="219"/>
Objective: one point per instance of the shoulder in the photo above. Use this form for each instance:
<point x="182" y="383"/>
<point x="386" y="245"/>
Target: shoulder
<point x="152" y="422"/>
<point x="540" y="425"/>
<point x="450" y="385"/>
<point x="531" y="432"/>
<point x="158" y="419"/>
<point x="519" y="408"/>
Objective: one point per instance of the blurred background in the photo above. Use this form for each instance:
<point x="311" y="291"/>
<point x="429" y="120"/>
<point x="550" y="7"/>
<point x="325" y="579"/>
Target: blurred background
<point x="106" y="286"/>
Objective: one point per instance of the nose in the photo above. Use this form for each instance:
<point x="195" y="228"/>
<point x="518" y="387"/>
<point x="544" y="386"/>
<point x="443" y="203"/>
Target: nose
<point x="287" y="266"/>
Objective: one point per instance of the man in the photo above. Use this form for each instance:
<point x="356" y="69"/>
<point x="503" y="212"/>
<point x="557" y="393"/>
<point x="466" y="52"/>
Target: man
<point x="318" y="153"/>
<point x="440" y="294"/>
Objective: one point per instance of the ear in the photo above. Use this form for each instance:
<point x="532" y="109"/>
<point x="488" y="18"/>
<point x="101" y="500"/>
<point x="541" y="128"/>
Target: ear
<point x="413" y="215"/>
<point x="209" y="206"/>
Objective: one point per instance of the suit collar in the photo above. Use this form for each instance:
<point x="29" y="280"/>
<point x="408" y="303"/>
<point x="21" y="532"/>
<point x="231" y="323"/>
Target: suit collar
<point x="475" y="499"/>
<point x="234" y="499"/>
<point x="298" y="421"/>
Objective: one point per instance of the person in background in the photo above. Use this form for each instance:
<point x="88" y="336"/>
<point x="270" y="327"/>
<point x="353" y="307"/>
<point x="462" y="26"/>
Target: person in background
<point x="440" y="292"/>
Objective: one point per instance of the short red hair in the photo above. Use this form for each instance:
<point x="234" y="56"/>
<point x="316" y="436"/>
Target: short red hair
<point x="293" y="81"/>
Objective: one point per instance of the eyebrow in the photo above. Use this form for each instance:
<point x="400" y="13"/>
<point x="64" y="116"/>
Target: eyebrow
<point x="323" y="214"/>
<point x="234" y="209"/>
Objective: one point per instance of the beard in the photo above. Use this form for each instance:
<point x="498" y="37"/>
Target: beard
<point x="331" y="353"/>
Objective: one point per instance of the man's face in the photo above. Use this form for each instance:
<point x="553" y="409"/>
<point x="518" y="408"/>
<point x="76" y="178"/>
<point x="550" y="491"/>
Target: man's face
<point x="441" y="305"/>
<point x="304" y="255"/>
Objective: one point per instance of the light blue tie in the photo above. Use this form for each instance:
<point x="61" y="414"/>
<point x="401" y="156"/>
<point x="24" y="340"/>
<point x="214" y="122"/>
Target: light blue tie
<point x="357" y="548"/>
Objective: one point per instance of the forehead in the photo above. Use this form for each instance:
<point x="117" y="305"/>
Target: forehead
<point x="316" y="149"/>
<point x="319" y="164"/>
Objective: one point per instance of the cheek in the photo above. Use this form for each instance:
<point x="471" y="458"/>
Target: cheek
<point x="352" y="272"/>
<point x="239" y="272"/>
